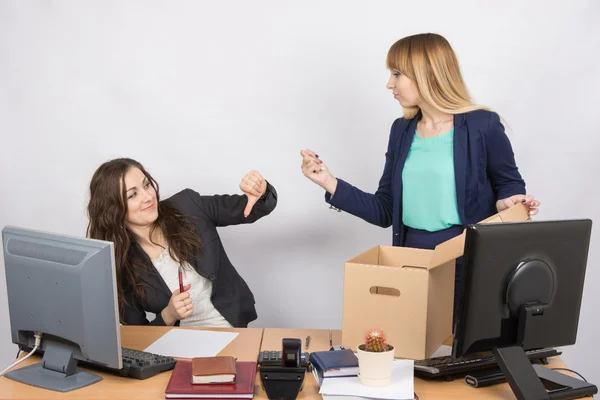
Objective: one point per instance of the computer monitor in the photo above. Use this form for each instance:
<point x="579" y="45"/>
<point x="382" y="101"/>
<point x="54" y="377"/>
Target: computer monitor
<point x="522" y="291"/>
<point x="65" y="288"/>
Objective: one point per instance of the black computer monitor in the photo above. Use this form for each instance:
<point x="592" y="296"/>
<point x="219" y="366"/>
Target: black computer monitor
<point x="522" y="291"/>
<point x="64" y="288"/>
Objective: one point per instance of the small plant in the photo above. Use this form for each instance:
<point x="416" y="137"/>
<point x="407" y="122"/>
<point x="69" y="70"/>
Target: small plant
<point x="375" y="359"/>
<point x="375" y="341"/>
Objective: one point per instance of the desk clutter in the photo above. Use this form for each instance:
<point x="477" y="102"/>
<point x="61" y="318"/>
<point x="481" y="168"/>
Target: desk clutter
<point x="190" y="343"/>
<point x="321" y="364"/>
<point x="448" y="367"/>
<point x="334" y="363"/>
<point x="337" y="374"/>
<point x="273" y="358"/>
<point x="209" y="370"/>
<point x="216" y="377"/>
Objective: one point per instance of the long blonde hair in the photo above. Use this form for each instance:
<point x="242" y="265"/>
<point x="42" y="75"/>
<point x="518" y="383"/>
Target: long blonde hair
<point x="428" y="60"/>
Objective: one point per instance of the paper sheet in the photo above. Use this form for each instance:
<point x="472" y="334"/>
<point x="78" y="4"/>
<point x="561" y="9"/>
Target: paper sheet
<point x="189" y="343"/>
<point x="442" y="351"/>
<point x="400" y="388"/>
<point x="333" y="397"/>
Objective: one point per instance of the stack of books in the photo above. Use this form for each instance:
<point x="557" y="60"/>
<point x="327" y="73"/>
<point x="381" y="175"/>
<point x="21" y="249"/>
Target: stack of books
<point x="212" y="377"/>
<point x="330" y="364"/>
<point x="336" y="373"/>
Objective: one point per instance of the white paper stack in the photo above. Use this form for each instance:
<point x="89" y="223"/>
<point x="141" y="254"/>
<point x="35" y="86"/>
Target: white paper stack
<point x="401" y="387"/>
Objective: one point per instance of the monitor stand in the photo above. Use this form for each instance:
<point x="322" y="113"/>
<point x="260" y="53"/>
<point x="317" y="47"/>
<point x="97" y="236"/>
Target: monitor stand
<point x="529" y="381"/>
<point x="57" y="371"/>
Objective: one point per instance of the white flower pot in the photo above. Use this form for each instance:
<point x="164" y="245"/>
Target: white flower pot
<point x="375" y="369"/>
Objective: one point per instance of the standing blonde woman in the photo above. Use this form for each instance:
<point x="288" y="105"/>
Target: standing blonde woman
<point x="448" y="163"/>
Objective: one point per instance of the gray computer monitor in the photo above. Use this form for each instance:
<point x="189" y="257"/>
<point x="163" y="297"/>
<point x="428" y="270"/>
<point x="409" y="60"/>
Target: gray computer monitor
<point x="65" y="288"/>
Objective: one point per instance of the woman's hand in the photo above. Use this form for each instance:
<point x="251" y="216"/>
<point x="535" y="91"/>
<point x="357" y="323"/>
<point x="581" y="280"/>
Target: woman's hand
<point x="180" y="306"/>
<point x="316" y="171"/>
<point x="254" y="186"/>
<point x="531" y="204"/>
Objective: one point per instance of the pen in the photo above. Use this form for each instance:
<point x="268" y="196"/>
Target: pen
<point x="180" y="273"/>
<point x="330" y="341"/>
<point x="307" y="342"/>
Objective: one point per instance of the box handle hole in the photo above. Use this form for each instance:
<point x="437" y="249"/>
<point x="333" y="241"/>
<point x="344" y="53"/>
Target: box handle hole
<point x="412" y="267"/>
<point x="386" y="291"/>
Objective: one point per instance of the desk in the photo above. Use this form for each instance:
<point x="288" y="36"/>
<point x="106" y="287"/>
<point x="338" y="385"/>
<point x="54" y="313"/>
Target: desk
<point x="245" y="347"/>
<point x="457" y="389"/>
<point x="426" y="390"/>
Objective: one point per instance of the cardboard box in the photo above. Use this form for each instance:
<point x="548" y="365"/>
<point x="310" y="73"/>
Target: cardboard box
<point x="407" y="292"/>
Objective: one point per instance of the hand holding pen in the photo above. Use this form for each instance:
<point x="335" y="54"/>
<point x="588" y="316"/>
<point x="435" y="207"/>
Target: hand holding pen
<point x="180" y="305"/>
<point x="180" y="277"/>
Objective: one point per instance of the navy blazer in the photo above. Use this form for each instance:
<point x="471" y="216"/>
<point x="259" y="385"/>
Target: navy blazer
<point x="484" y="168"/>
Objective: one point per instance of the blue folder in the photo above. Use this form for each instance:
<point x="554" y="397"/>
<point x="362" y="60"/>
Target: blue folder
<point x="335" y="363"/>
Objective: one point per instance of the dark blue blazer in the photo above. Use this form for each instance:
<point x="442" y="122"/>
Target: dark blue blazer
<point x="484" y="167"/>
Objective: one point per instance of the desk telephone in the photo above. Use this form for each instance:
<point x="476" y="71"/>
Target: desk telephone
<point x="273" y="358"/>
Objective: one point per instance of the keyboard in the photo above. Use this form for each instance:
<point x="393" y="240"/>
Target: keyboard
<point x="448" y="366"/>
<point x="142" y="365"/>
<point x="137" y="364"/>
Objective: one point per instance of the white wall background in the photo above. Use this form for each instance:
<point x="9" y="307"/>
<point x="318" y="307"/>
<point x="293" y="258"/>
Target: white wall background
<point x="202" y="92"/>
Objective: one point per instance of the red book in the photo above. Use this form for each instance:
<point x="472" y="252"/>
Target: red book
<point x="180" y="385"/>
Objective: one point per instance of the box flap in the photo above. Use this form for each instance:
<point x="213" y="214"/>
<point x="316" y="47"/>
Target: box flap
<point x="454" y="248"/>
<point x="404" y="257"/>
<point x="440" y="303"/>
<point x="370" y="256"/>
<point x="493" y="219"/>
<point x="516" y="213"/>
<point x="447" y="251"/>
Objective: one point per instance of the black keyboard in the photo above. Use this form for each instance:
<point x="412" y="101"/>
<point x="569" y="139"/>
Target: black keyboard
<point x="137" y="364"/>
<point x="448" y="366"/>
<point x="141" y="365"/>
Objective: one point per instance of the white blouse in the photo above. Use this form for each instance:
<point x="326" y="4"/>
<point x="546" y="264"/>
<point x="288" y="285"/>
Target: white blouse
<point x="205" y="314"/>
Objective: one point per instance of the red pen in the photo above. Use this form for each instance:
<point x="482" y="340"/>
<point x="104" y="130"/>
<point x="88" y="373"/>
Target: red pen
<point x="180" y="273"/>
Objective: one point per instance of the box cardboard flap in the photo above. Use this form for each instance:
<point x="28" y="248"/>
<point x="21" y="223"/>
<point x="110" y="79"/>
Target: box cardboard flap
<point x="370" y="256"/>
<point x="403" y="257"/>
<point x="447" y="251"/>
<point x="454" y="248"/>
<point x="517" y="213"/>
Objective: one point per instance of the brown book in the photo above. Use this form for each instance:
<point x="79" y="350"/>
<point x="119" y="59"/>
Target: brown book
<point x="210" y="370"/>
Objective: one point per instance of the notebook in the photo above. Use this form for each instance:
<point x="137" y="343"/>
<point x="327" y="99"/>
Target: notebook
<point x="208" y="370"/>
<point x="335" y="363"/>
<point x="180" y="385"/>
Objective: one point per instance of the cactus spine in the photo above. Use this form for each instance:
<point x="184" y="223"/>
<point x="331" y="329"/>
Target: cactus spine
<point x="375" y="341"/>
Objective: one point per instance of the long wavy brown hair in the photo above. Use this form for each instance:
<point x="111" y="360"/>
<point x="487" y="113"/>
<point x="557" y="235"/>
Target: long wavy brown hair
<point x="107" y="212"/>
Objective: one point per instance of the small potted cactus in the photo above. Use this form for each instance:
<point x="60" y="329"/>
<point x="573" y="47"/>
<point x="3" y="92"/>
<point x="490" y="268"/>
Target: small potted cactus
<point x="375" y="359"/>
